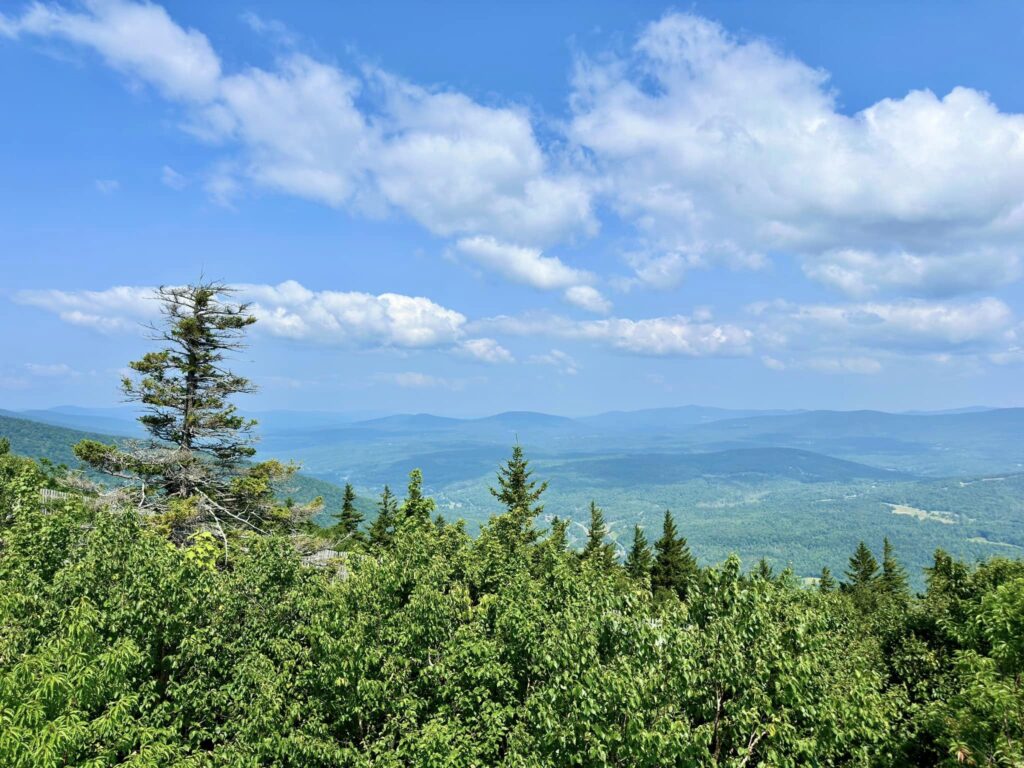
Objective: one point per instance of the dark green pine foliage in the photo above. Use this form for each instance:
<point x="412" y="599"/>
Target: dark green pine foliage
<point x="520" y="494"/>
<point x="826" y="583"/>
<point x="558" y="539"/>
<point x="350" y="518"/>
<point x="674" y="566"/>
<point x="763" y="570"/>
<point x="863" y="569"/>
<point x="417" y="506"/>
<point x="381" y="532"/>
<point x="598" y="549"/>
<point x="894" y="576"/>
<point x="639" y="559"/>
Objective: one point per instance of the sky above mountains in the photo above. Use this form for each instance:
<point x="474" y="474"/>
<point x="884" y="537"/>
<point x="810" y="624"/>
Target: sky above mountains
<point x="472" y="207"/>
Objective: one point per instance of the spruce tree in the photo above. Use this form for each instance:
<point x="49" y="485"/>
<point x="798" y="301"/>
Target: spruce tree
<point x="520" y="495"/>
<point x="558" y="538"/>
<point x="639" y="559"/>
<point x="349" y="518"/>
<point x="674" y="567"/>
<point x="763" y="570"/>
<point x="382" y="530"/>
<point x="597" y="548"/>
<point x="515" y="488"/>
<point x="894" y="576"/>
<point x="196" y="461"/>
<point x="826" y="583"/>
<point x="417" y="506"/>
<point x="863" y="569"/>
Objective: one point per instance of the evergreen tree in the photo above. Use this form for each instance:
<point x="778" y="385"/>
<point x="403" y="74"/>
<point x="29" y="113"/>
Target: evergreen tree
<point x="863" y="569"/>
<point x="417" y="506"/>
<point x="349" y="519"/>
<point x="639" y="559"/>
<point x="826" y="583"/>
<point x="557" y="538"/>
<point x="519" y="494"/>
<point x="515" y="488"/>
<point x="763" y="570"/>
<point x="196" y="460"/>
<point x="597" y="548"/>
<point x="674" y="567"/>
<point x="382" y="529"/>
<point x="894" y="580"/>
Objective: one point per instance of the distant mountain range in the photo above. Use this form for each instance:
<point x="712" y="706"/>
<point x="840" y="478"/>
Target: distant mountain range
<point x="808" y="484"/>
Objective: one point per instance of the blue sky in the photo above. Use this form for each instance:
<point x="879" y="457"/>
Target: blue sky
<point x="467" y="207"/>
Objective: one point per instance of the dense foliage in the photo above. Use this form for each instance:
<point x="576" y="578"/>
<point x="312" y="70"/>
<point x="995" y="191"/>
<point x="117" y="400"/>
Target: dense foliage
<point x="420" y="645"/>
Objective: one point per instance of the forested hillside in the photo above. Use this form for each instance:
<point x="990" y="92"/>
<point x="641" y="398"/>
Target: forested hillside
<point x="416" y="644"/>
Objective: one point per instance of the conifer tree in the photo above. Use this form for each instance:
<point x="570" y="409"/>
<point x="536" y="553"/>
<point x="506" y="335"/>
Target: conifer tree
<point x="597" y="548"/>
<point x="863" y="569"/>
<point x="826" y="583"/>
<point x="349" y="519"/>
<point x="763" y="570"/>
<point x="515" y="488"/>
<point x="674" y="567"/>
<point x="196" y="461"/>
<point x="382" y="530"/>
<point x="894" y="580"/>
<point x="639" y="559"/>
<point x="557" y="538"/>
<point x="417" y="506"/>
<point x="520" y="495"/>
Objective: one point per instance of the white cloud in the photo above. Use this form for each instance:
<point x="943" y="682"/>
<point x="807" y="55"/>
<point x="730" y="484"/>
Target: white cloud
<point x="115" y="309"/>
<point x="107" y="186"/>
<point x="457" y="167"/>
<point x="139" y="39"/>
<point x="911" y="326"/>
<point x="522" y="265"/>
<point x="529" y="266"/>
<point x="485" y="350"/>
<point x="558" y="359"/>
<point x="589" y="298"/>
<point x="390" y="319"/>
<point x="721" y="149"/>
<point x="286" y="310"/>
<point x="677" y="335"/>
<point x="172" y="179"/>
<point x="773" y="363"/>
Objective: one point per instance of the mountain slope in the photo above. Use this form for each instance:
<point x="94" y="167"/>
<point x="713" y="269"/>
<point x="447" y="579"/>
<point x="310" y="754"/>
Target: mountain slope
<point x="39" y="440"/>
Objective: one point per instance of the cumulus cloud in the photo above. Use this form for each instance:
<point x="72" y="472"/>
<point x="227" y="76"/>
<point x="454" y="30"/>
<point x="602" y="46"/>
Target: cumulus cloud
<point x="115" y="309"/>
<point x="589" y="298"/>
<point x="721" y="150"/>
<point x="912" y="326"/>
<point x="366" y="140"/>
<point x="557" y="359"/>
<point x="287" y="310"/>
<point x="676" y="335"/>
<point x="138" y="39"/>
<point x="485" y="350"/>
<point x="529" y="266"/>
